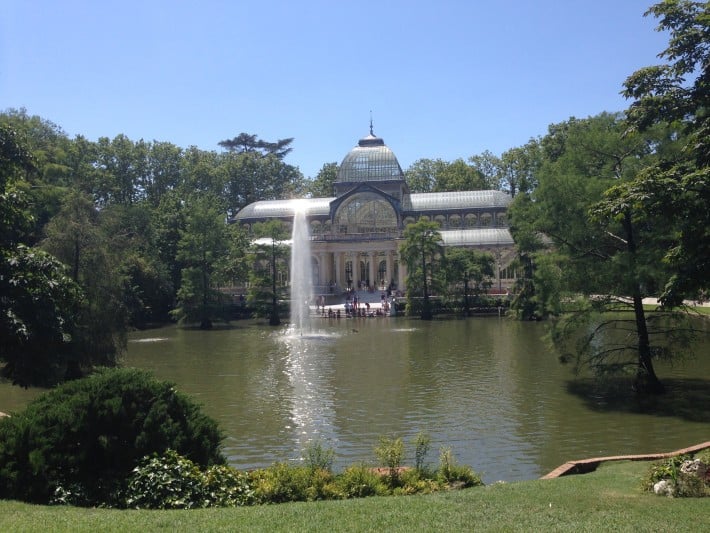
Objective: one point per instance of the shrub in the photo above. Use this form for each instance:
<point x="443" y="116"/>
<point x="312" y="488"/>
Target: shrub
<point x="683" y="485"/>
<point x="283" y="482"/>
<point x="421" y="449"/>
<point x="360" y="481"/>
<point x="171" y="481"/>
<point x="79" y="442"/>
<point x="390" y="452"/>
<point x="316" y="456"/>
<point x="458" y="475"/>
<point x="666" y="469"/>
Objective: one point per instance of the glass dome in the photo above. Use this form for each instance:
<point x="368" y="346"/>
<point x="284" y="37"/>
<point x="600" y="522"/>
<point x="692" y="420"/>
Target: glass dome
<point x="370" y="160"/>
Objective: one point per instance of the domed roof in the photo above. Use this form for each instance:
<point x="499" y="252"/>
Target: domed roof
<point x="370" y="160"/>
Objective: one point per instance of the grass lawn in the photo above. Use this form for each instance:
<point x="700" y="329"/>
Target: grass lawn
<point x="609" y="499"/>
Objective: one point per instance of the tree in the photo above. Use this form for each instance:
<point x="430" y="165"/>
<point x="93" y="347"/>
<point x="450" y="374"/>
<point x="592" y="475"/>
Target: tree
<point x="38" y="301"/>
<point x="519" y="166"/>
<point x="459" y="176"/>
<point x="489" y="166"/>
<point x="421" y="175"/>
<point x="202" y="248"/>
<point x="245" y="142"/>
<point x="471" y="268"/>
<point x="422" y="251"/>
<point x="249" y="177"/>
<point x="676" y="189"/>
<point x="75" y="237"/>
<point x="322" y="185"/>
<point x="266" y="258"/>
<point x="617" y="256"/>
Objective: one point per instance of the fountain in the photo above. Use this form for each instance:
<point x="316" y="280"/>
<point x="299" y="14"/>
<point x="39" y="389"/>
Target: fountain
<point x="301" y="271"/>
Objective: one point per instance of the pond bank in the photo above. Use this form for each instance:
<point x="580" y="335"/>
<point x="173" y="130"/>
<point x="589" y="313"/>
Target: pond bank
<point x="589" y="465"/>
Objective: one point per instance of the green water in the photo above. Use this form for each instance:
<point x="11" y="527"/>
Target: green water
<point x="488" y="388"/>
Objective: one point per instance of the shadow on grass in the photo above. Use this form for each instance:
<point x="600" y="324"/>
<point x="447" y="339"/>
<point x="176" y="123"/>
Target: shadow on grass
<point x="688" y="399"/>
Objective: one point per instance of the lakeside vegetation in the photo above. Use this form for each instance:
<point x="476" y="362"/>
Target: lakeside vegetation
<point x="610" y="498"/>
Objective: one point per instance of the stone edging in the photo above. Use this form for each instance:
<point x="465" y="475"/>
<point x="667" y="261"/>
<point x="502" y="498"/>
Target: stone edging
<point x="590" y="465"/>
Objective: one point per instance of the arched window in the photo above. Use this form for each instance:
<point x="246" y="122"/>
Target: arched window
<point x="366" y="213"/>
<point x="471" y="220"/>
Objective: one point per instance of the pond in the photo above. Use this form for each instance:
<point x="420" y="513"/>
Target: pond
<point x="488" y="388"/>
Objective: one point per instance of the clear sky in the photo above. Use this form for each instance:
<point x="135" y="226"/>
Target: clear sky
<point x="443" y="79"/>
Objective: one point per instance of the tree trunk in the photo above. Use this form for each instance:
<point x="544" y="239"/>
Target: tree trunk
<point x="646" y="379"/>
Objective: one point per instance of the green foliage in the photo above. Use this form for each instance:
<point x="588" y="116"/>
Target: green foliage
<point x="360" y="481"/>
<point x="201" y="249"/>
<point x="86" y="436"/>
<point x="421" y="448"/>
<point x="453" y="474"/>
<point x="316" y="456"/>
<point x="422" y="250"/>
<point x="166" y="482"/>
<point x="684" y="485"/>
<point x="282" y="482"/>
<point x="170" y="481"/>
<point x="390" y="452"/>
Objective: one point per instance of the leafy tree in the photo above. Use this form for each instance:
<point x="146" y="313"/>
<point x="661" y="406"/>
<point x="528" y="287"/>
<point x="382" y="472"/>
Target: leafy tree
<point x="75" y="237"/>
<point x="164" y="171"/>
<point x="422" y="250"/>
<point x="469" y="268"/>
<point x="489" y="166"/>
<point x="122" y="169"/>
<point x="421" y="175"/>
<point x="519" y="167"/>
<point x="38" y="300"/>
<point x="249" y="177"/>
<point x="676" y="188"/>
<point x="202" y="248"/>
<point x="266" y="258"/>
<point x="618" y="256"/>
<point x="322" y="185"/>
<point x="459" y="176"/>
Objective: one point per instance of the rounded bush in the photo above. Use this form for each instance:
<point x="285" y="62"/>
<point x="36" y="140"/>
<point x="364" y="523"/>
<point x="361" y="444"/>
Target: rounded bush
<point x="83" y="439"/>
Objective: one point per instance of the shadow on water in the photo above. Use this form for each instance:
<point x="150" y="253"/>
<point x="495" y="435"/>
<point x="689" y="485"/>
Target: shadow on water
<point x="685" y="398"/>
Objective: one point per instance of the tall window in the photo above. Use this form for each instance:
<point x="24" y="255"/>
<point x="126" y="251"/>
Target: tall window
<point x="366" y="213"/>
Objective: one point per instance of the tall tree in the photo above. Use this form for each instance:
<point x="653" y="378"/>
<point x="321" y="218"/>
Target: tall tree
<point x="676" y="188"/>
<point x="468" y="268"/>
<point x="618" y="256"/>
<point x="421" y="175"/>
<point x="519" y="167"/>
<point x="459" y="176"/>
<point x="75" y="237"/>
<point x="38" y="300"/>
<point x="202" y="248"/>
<point x="245" y="142"/>
<point x="268" y="258"/>
<point x="422" y="250"/>
<point x="322" y="185"/>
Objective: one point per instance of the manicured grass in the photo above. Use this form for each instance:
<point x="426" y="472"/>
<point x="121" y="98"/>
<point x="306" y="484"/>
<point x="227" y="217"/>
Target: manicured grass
<point x="606" y="500"/>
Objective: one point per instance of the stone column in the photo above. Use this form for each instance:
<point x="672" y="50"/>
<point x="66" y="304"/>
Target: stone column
<point x="388" y="274"/>
<point x="338" y="275"/>
<point x="355" y="258"/>
<point x="373" y="257"/>
<point x="402" y="273"/>
<point x="323" y="274"/>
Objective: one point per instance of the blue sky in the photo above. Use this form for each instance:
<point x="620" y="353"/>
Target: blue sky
<point x="443" y="80"/>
